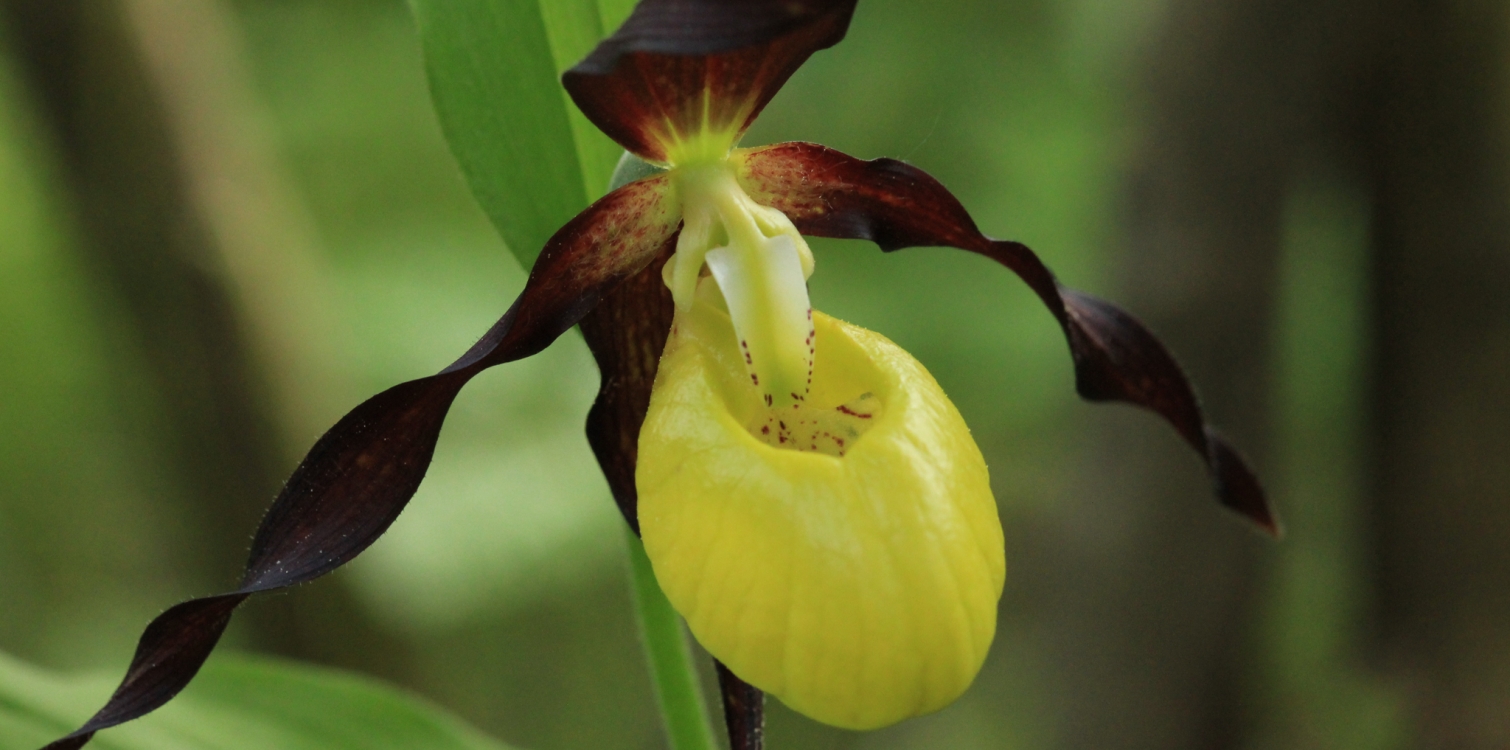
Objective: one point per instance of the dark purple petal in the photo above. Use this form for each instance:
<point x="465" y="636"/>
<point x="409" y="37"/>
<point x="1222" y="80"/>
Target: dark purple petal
<point x="676" y="66"/>
<point x="896" y="205"/>
<point x="626" y="332"/>
<point x="360" y="475"/>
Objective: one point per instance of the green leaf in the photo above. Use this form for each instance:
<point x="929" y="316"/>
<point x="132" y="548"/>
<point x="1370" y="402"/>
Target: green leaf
<point x="493" y="81"/>
<point x="613" y="13"/>
<point x="533" y="161"/>
<point x="238" y="702"/>
<point x="574" y="28"/>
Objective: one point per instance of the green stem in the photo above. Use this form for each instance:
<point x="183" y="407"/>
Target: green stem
<point x="677" y="688"/>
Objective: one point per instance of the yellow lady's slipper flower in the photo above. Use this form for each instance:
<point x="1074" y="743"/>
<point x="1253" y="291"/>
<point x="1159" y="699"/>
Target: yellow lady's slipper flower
<point x="809" y="498"/>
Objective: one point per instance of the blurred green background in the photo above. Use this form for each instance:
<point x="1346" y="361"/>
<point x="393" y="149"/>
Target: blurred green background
<point x="224" y="225"/>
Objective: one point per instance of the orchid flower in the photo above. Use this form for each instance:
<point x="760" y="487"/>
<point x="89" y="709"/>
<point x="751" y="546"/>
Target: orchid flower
<point x="810" y="500"/>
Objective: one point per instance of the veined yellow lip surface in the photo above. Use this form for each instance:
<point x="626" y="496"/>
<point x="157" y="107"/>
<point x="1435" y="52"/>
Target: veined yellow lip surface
<point x="861" y="588"/>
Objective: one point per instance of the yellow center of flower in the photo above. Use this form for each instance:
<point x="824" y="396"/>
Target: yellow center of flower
<point x="761" y="264"/>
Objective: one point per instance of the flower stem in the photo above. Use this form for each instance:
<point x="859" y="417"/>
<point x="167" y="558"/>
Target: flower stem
<point x="672" y="670"/>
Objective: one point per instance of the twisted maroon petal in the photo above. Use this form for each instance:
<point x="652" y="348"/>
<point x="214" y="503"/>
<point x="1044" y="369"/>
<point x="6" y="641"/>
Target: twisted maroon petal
<point x="678" y="67"/>
<point x="626" y="332"/>
<point x="829" y="194"/>
<point x="360" y="475"/>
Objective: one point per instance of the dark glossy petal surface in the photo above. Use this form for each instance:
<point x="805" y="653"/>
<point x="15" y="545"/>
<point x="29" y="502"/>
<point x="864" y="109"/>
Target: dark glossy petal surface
<point x="896" y="205"/>
<point x="360" y="475"/>
<point x="677" y="64"/>
<point x="626" y="332"/>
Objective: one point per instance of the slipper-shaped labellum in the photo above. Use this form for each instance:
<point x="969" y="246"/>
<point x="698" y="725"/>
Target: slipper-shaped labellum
<point x="842" y="553"/>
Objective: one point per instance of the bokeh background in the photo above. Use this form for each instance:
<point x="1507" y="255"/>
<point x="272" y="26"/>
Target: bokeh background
<point x="222" y="224"/>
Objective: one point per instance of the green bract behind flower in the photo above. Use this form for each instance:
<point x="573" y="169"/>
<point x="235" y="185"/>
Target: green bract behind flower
<point x="844" y="553"/>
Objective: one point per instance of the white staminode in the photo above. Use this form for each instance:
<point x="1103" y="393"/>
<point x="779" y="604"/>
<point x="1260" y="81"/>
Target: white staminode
<point x="761" y="265"/>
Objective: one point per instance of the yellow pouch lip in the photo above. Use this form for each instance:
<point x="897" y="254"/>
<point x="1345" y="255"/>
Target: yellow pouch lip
<point x="880" y="560"/>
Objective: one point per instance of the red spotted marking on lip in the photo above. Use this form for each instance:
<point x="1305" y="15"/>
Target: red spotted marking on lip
<point x="851" y="412"/>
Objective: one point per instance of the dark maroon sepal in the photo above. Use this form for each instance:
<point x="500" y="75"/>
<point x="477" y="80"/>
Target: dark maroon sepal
<point x="358" y="477"/>
<point x="1118" y="359"/>
<point x="626" y="332"/>
<point x="645" y="86"/>
<point x="829" y="194"/>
